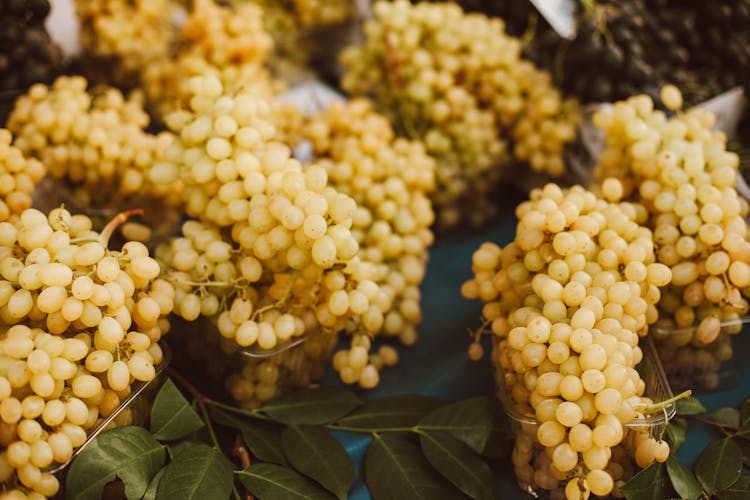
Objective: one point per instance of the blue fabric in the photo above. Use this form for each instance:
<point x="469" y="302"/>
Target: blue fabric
<point x="438" y="365"/>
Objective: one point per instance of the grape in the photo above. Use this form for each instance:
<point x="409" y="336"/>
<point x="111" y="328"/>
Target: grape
<point x="682" y="175"/>
<point x="27" y="54"/>
<point x="572" y="372"/>
<point x="74" y="368"/>
<point x="428" y="69"/>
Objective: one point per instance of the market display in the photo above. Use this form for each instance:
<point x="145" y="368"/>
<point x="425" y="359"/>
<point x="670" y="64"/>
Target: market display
<point x="159" y="194"/>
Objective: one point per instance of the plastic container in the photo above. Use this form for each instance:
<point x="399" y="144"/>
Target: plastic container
<point x="532" y="466"/>
<point x="689" y="364"/>
<point x="135" y="409"/>
<point x="250" y="376"/>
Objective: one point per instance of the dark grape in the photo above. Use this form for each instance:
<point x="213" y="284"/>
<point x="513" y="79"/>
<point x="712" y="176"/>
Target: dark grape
<point x="27" y="54"/>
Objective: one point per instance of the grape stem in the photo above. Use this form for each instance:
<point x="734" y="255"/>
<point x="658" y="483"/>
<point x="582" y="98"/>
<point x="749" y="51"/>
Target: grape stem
<point x="118" y="219"/>
<point x="714" y="423"/>
<point x="649" y="409"/>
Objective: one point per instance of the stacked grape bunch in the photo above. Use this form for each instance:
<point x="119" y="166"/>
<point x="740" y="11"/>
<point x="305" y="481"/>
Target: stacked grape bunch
<point x="94" y="141"/>
<point x="681" y="173"/>
<point x="633" y="46"/>
<point x="119" y="37"/>
<point x="568" y="301"/>
<point x="27" y="55"/>
<point x="457" y="82"/>
<point x="390" y="179"/>
<point x="18" y="176"/>
<point x="80" y="325"/>
<point x="229" y="43"/>
<point x="274" y="256"/>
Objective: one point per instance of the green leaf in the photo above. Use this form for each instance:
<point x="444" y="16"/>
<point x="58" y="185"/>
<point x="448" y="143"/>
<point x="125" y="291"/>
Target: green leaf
<point x="262" y="438"/>
<point x="459" y="464"/>
<point x="390" y="412"/>
<point x="153" y="485"/>
<point x="317" y="454"/>
<point x="313" y="406"/>
<point x="130" y="453"/>
<point x="745" y="411"/>
<point x="719" y="465"/>
<point x="274" y="482"/>
<point x="744" y="431"/>
<point x="729" y="416"/>
<point x="396" y="468"/>
<point x="683" y="481"/>
<point x="689" y="406"/>
<point x="745" y="447"/>
<point x="172" y="417"/>
<point x="472" y="421"/>
<point x="675" y="433"/>
<point x="740" y="490"/>
<point x="197" y="472"/>
<point x="652" y="483"/>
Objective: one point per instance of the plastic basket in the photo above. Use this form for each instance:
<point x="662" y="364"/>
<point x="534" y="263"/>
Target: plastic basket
<point x="531" y="465"/>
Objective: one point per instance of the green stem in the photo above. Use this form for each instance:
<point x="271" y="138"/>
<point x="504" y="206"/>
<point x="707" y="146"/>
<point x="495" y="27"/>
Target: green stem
<point x="649" y="409"/>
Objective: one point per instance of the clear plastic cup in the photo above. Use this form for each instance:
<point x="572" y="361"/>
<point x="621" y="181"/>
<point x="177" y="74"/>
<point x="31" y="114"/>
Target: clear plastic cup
<point x="532" y="465"/>
<point x="691" y="364"/>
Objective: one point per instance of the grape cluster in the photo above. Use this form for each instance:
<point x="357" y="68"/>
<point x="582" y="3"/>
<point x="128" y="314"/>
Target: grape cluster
<point x="27" y="54"/>
<point x="94" y="141"/>
<point x="18" y="176"/>
<point x="80" y="324"/>
<point x="274" y="256"/>
<point x="390" y="179"/>
<point x="568" y="301"/>
<point x="634" y="46"/>
<point x="124" y="36"/>
<point x="229" y="43"/>
<point x="457" y="82"/>
<point x="681" y="173"/>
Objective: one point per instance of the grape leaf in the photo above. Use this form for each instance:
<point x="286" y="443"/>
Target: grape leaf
<point x="318" y="455"/>
<point x="472" y="421"/>
<point x="728" y="416"/>
<point x="740" y="490"/>
<point x="313" y="406"/>
<point x="719" y="465"/>
<point x="130" y="453"/>
<point x="652" y="483"/>
<point x="262" y="438"/>
<point x="675" y="433"/>
<point x="197" y="472"/>
<point x="275" y="482"/>
<point x="689" y="406"/>
<point x="153" y="485"/>
<point x="396" y="468"/>
<point x="390" y="412"/>
<point x="745" y="411"/>
<point x="172" y="417"/>
<point x="683" y="481"/>
<point x="459" y="464"/>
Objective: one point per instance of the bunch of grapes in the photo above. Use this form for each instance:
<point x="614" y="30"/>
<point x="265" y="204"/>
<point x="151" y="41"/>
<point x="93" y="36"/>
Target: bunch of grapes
<point x="80" y="324"/>
<point x="568" y="301"/>
<point x="679" y="170"/>
<point x="27" y="54"/>
<point x="95" y="141"/>
<point x="229" y="43"/>
<point x="390" y="179"/>
<point x="18" y="177"/>
<point x="124" y="37"/>
<point x="274" y="256"/>
<point x="633" y="46"/>
<point x="457" y="82"/>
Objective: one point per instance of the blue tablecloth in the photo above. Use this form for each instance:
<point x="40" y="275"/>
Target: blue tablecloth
<point x="438" y="365"/>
